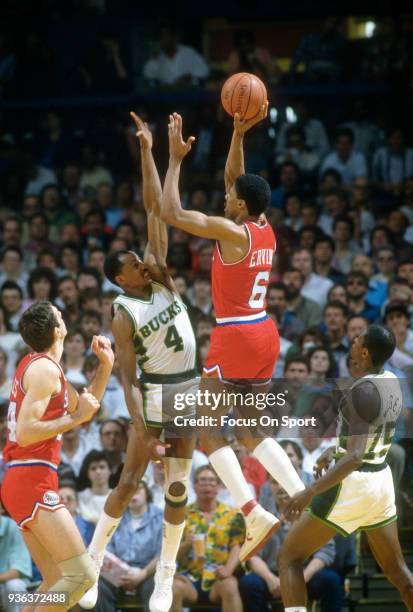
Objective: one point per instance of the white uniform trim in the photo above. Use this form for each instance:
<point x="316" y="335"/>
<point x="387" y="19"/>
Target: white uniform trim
<point x="26" y="462"/>
<point x="253" y="317"/>
<point x="34" y="512"/>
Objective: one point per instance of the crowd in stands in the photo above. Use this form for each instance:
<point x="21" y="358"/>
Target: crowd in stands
<point x="342" y="211"/>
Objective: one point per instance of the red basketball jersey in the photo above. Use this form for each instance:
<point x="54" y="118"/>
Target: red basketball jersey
<point x="239" y="289"/>
<point x="47" y="450"/>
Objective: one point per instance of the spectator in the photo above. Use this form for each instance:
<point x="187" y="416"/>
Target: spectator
<point x="315" y="133"/>
<point x="289" y="326"/>
<point x="38" y="177"/>
<point x="368" y="136"/>
<point x="70" y="499"/>
<point x="322" y="54"/>
<point x="397" y="318"/>
<point x="88" y="278"/>
<point x="38" y="227"/>
<point x="11" y="297"/>
<point x="292" y="208"/>
<point x="11" y="342"/>
<point x="11" y="232"/>
<point x="305" y="310"/>
<point x="252" y="469"/>
<point x="407" y="208"/>
<point x="346" y="247"/>
<point x="113" y="437"/>
<point x="335" y="205"/>
<point x="205" y="257"/>
<point x="6" y="381"/>
<point x="204" y="325"/>
<point x="95" y="473"/>
<point x="41" y="286"/>
<point x="289" y="179"/>
<point x="201" y="299"/>
<point x="247" y="57"/>
<point x="105" y="70"/>
<point x="90" y="299"/>
<point x="203" y="343"/>
<point x="297" y="152"/>
<point x="90" y="323"/>
<point x="323" y="254"/>
<point x="337" y="294"/>
<point x="386" y="263"/>
<point x="92" y="174"/>
<point x="386" y="52"/>
<point x="94" y="231"/>
<point x="315" y="287"/>
<point x="393" y="164"/>
<point x="137" y="542"/>
<point x="68" y="296"/>
<point x="74" y="357"/>
<point x="335" y="321"/>
<point x="55" y="212"/>
<point x="75" y="448"/>
<point x="15" y="563"/>
<point x="70" y="259"/>
<point x="356" y="287"/>
<point x="11" y="267"/>
<point x="174" y="64"/>
<point x="71" y="191"/>
<point x="113" y="400"/>
<point x="208" y="577"/>
<point x="356" y="326"/>
<point x="344" y="159"/>
<point x="377" y="291"/>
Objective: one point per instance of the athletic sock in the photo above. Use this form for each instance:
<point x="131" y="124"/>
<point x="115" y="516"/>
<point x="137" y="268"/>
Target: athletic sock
<point x="105" y="528"/>
<point x="275" y="460"/>
<point x="225" y="463"/>
<point x="171" y="539"/>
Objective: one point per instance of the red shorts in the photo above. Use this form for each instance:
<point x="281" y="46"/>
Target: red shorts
<point x="25" y="489"/>
<point x="243" y="351"/>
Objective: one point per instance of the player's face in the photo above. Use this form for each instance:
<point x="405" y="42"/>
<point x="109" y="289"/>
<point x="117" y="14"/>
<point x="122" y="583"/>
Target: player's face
<point x="62" y="325"/>
<point x="231" y="208"/>
<point x="134" y="272"/>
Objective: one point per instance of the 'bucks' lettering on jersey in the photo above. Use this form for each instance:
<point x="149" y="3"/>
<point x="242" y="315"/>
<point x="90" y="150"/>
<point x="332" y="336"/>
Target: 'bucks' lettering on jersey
<point x="381" y="430"/>
<point x="163" y="336"/>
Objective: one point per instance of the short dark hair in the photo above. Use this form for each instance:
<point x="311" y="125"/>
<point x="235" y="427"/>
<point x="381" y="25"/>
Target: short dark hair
<point x="255" y="191"/>
<point x="91" y="271"/>
<point x="380" y="343"/>
<point x="339" y="305"/>
<point x="358" y="274"/>
<point x="90" y="314"/>
<point x="324" y="239"/>
<point x="347" y="132"/>
<point x="344" y="219"/>
<point x="37" y="326"/>
<point x="297" y="448"/>
<point x="203" y="468"/>
<point x="12" y="285"/>
<point x="39" y="274"/>
<point x="113" y="265"/>
<point x="92" y="457"/>
<point x="12" y="248"/>
<point x="296" y="359"/>
<point x="279" y="286"/>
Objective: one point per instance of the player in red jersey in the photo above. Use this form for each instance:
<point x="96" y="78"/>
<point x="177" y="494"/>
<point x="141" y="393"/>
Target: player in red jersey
<point x="43" y="405"/>
<point x="245" y="342"/>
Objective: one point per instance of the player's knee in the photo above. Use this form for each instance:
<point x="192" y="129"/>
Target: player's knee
<point x="287" y="557"/>
<point x="176" y="481"/>
<point x="78" y="575"/>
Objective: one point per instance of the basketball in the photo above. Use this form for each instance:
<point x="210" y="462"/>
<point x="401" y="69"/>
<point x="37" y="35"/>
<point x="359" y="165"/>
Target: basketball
<point x="243" y="93"/>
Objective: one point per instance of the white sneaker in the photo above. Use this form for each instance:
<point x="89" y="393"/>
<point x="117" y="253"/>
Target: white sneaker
<point x="260" y="525"/>
<point x="162" y="596"/>
<point x="89" y="599"/>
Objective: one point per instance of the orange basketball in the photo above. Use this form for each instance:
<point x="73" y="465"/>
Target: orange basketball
<point x="243" y="93"/>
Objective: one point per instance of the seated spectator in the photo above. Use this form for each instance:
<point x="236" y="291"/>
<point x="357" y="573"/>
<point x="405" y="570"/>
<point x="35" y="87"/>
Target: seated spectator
<point x="315" y="287"/>
<point x="6" y="381"/>
<point x="297" y="152"/>
<point x="344" y="159"/>
<point x="38" y="177"/>
<point x="377" y="291"/>
<point x="356" y="326"/>
<point x="12" y="268"/>
<point x="175" y="64"/>
<point x="337" y="294"/>
<point x="380" y="236"/>
<point x="313" y="444"/>
<point x="322" y="369"/>
<point x="11" y="296"/>
<point x="247" y="57"/>
<point x="407" y="208"/>
<point x="386" y="263"/>
<point x="335" y="322"/>
<point x="69" y="497"/>
<point x="309" y="215"/>
<point x="323" y="255"/>
<point x="292" y="208"/>
<point x="285" y="344"/>
<point x="262" y="583"/>
<point x="90" y="322"/>
<point x="305" y="310"/>
<point x="201" y="298"/>
<point x="296" y="374"/>
<point x="393" y="164"/>
<point x="179" y="258"/>
<point x="67" y="300"/>
<point x="88" y="278"/>
<point x="316" y="138"/>
<point x="386" y="52"/>
<point x="11" y="342"/>
<point x="307" y="236"/>
<point x="330" y="180"/>
<point x="204" y="325"/>
<point x="70" y="258"/>
<point x="41" y="286"/>
<point x="92" y="174"/>
<point x="95" y="474"/>
<point x="15" y="563"/>
<point x="368" y="136"/>
<point x="397" y="318"/>
<point x="70" y="185"/>
<point x="322" y="53"/>
<point x="289" y="182"/>
<point x="405" y="270"/>
<point x="105" y="70"/>
<point x="89" y="299"/>
<point x="205" y="256"/>
<point x="113" y="436"/>
<point x="356" y="287"/>
<point x="203" y="344"/>
<point x="346" y="247"/>
<point x="289" y="326"/>
<point x="137" y="542"/>
<point x="113" y="400"/>
<point x="400" y="291"/>
<point x="74" y="356"/>
<point x="75" y="447"/>
<point x="252" y="469"/>
<point x="56" y="214"/>
<point x="11" y="231"/>
<point x="206" y="565"/>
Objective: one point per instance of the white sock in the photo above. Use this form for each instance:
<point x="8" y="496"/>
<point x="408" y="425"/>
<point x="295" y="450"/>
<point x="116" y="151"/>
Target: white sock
<point x="296" y="609"/>
<point x="225" y="463"/>
<point x="105" y="528"/>
<point x="275" y="460"/>
<point x="171" y="539"/>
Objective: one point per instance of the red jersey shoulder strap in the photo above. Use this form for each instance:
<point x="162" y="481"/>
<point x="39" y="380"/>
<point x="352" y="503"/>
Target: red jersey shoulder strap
<point x="31" y="358"/>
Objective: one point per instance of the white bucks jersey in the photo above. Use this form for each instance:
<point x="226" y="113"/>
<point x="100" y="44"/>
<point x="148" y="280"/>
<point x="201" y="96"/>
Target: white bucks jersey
<point x="163" y="336"/>
<point x="381" y="430"/>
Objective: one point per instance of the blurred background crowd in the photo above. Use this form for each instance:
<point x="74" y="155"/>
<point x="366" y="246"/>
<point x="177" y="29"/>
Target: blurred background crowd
<point x="337" y="151"/>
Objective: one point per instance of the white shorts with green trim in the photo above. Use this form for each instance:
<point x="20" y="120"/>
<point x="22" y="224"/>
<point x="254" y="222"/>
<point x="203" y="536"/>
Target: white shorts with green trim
<point x="363" y="500"/>
<point x="166" y="399"/>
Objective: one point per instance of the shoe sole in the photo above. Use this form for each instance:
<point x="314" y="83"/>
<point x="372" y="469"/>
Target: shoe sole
<point x="264" y="539"/>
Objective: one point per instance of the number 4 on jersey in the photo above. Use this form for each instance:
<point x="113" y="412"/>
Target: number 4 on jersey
<point x="259" y="290"/>
<point x="173" y="339"/>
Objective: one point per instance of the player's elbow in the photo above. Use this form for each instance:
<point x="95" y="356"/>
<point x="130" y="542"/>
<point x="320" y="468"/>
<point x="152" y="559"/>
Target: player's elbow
<point x="356" y="457"/>
<point x="22" y="437"/>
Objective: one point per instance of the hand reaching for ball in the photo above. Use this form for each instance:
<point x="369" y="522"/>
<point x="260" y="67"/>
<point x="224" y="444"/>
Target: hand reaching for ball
<point x="178" y="148"/>
<point x="243" y="125"/>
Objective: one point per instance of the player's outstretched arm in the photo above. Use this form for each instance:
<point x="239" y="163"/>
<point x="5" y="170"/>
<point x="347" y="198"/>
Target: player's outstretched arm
<point x="41" y="381"/>
<point x="157" y="245"/>
<point x="235" y="166"/>
<point x="194" y="222"/>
